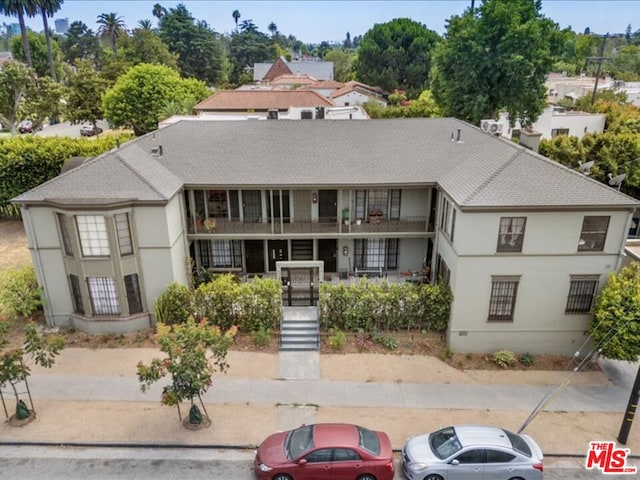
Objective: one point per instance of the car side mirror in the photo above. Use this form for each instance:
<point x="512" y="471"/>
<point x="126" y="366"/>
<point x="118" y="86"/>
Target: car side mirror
<point x="302" y="462"/>
<point x="455" y="461"/>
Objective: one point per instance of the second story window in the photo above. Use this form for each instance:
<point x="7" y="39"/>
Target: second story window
<point x="93" y="235"/>
<point x="594" y="234"/>
<point x="124" y="234"/>
<point x="511" y="234"/>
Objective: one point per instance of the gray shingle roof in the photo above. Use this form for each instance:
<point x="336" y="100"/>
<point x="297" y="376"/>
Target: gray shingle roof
<point x="480" y="171"/>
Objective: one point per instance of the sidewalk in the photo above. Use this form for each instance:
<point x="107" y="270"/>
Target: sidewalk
<point x="93" y="396"/>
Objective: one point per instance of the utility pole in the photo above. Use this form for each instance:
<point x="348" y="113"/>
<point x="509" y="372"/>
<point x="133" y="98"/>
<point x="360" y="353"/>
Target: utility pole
<point x="630" y="411"/>
<point x="600" y="59"/>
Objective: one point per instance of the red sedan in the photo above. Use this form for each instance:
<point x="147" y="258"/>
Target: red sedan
<point x="326" y="450"/>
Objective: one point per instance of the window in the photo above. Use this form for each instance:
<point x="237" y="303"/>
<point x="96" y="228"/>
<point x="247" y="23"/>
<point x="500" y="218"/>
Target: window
<point x="103" y="296"/>
<point x="64" y="233"/>
<point x="471" y="456"/>
<point x="581" y="292"/>
<point x="124" y="234"/>
<point x="345" y="455"/>
<point x="559" y="131"/>
<point x="76" y="295"/>
<point x="442" y="271"/>
<point x="132" y="289"/>
<point x="220" y="253"/>
<point x="251" y="206"/>
<point x="373" y="253"/>
<point x="93" y="235"/>
<point x="447" y="218"/>
<point x="496" y="456"/>
<point x="319" y="456"/>
<point x="511" y="234"/>
<point x="593" y="235"/>
<point x="503" y="299"/>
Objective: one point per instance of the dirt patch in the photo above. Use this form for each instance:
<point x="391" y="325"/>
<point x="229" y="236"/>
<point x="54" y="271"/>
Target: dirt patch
<point x="13" y="245"/>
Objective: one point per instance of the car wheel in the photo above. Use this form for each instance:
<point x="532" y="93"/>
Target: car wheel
<point x="516" y="478"/>
<point x="282" y="476"/>
<point x="366" y="476"/>
<point x="433" y="476"/>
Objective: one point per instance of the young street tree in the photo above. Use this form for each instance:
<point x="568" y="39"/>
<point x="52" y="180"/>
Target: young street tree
<point x="397" y="56"/>
<point x="194" y="352"/>
<point x="15" y="80"/>
<point x="615" y="326"/>
<point x="86" y="88"/>
<point x="495" y="57"/>
<point x="138" y="96"/>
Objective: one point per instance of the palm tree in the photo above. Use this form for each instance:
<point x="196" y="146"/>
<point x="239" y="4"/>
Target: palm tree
<point x="236" y="17"/>
<point x="273" y="28"/>
<point x="159" y="11"/>
<point x="145" y="24"/>
<point x="248" y="26"/>
<point x="47" y="9"/>
<point x="20" y="8"/>
<point x="111" y="27"/>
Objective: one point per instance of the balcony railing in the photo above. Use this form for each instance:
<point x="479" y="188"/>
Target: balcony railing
<point x="227" y="226"/>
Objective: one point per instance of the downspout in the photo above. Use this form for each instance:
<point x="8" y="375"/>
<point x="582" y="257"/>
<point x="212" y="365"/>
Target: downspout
<point x="37" y="264"/>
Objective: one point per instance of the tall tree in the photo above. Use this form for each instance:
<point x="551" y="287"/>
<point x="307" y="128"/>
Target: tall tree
<point x="236" y="17"/>
<point x="20" y="8"/>
<point x="39" y="53"/>
<point x="47" y="9"/>
<point x="86" y="87"/>
<point x="273" y="28"/>
<point x="15" y="80"/>
<point x="145" y="46"/>
<point x="199" y="49"/>
<point x="245" y="49"/>
<point x="495" y="58"/>
<point x="158" y="11"/>
<point x="81" y="43"/>
<point x="397" y="55"/>
<point x="111" y="27"/>
<point x="145" y="24"/>
<point x="248" y="26"/>
<point x="342" y="64"/>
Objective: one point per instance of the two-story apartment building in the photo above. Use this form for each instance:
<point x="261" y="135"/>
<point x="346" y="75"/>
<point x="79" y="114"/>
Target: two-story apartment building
<point x="523" y="242"/>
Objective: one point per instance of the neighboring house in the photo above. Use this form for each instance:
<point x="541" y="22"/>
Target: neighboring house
<point x="524" y="242"/>
<point x="356" y="93"/>
<point x="632" y="90"/>
<point x="258" y="103"/>
<point x="266" y="72"/>
<point x="292" y="81"/>
<point x="324" y="87"/>
<point x="560" y="86"/>
<point x="552" y="122"/>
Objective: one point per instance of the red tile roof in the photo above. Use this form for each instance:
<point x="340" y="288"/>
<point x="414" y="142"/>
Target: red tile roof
<point x="293" y="79"/>
<point x="327" y="84"/>
<point x="278" y="68"/>
<point x="261" y="100"/>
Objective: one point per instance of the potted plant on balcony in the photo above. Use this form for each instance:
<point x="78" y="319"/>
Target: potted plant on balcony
<point x="345" y="216"/>
<point x="375" y="215"/>
<point x="210" y="225"/>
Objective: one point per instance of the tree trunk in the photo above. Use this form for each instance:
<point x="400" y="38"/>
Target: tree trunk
<point x="25" y="39"/>
<point x="47" y="37"/>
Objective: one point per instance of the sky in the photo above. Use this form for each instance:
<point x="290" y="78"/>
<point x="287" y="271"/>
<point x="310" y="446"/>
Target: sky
<point x="315" y="21"/>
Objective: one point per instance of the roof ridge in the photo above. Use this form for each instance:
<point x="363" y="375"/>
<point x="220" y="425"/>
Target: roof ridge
<point x="142" y="178"/>
<point x="493" y="175"/>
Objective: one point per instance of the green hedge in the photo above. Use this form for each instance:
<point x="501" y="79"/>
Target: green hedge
<point x="19" y="292"/>
<point x="371" y="306"/>
<point x="224" y="301"/>
<point x="27" y="161"/>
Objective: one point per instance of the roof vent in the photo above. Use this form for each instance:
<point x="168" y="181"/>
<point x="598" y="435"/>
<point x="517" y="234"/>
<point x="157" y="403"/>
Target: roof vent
<point x="157" y="151"/>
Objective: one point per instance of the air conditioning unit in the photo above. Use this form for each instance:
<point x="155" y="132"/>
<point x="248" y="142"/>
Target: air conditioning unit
<point x="491" y="126"/>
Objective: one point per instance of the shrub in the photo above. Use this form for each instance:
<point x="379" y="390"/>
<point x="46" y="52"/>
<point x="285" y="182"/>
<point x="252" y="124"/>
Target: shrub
<point x="261" y="337"/>
<point x="19" y="292"/>
<point x="174" y="305"/>
<point x="387" y="341"/>
<point x="337" y="339"/>
<point x="526" y="359"/>
<point x="504" y="358"/>
<point x="363" y="341"/>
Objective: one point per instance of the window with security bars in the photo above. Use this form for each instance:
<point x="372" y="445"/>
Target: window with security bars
<point x="594" y="233"/>
<point x="220" y="253"/>
<point x="132" y="289"/>
<point x="92" y="232"/>
<point x="379" y="202"/>
<point x="511" y="234"/>
<point x="64" y="233"/>
<point x="373" y="253"/>
<point x="124" y="234"/>
<point x="252" y="206"/>
<point x="103" y="295"/>
<point x="503" y="300"/>
<point x="581" y="293"/>
<point x="76" y="294"/>
<point x="442" y="270"/>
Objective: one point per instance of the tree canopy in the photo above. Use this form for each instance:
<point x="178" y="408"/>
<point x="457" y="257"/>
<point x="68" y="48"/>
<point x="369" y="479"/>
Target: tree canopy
<point x="246" y="48"/>
<point x="397" y="55"/>
<point x="615" y="326"/>
<point x="86" y="88"/>
<point x="494" y="58"/>
<point x="138" y="96"/>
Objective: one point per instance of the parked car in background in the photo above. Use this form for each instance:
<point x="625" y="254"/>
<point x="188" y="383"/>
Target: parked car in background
<point x="470" y="451"/>
<point x="88" y="130"/>
<point x="325" y="450"/>
<point x="25" y="126"/>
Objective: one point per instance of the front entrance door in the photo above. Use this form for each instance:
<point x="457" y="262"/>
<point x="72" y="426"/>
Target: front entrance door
<point x="277" y="253"/>
<point x="254" y="256"/>
<point x="328" y="207"/>
<point x="327" y="251"/>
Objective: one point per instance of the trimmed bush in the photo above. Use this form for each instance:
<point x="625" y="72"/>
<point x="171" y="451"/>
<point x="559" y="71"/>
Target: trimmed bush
<point x="174" y="305"/>
<point x="19" y="292"/>
<point x="504" y="358"/>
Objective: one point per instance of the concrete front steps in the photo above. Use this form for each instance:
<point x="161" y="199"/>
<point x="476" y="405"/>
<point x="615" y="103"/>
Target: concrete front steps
<point x="300" y="330"/>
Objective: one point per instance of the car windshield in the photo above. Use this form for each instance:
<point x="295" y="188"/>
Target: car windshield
<point x="444" y="443"/>
<point x="369" y="440"/>
<point x="298" y="441"/>
<point x="519" y="444"/>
